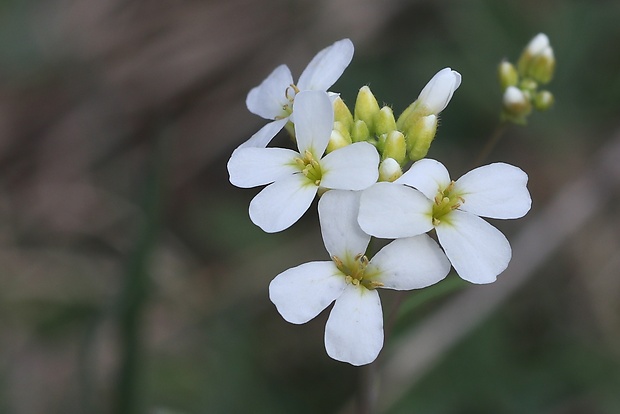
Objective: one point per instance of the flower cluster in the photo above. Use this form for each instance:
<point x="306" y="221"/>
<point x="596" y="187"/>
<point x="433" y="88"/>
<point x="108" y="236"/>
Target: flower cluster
<point x="370" y="171"/>
<point x="520" y="84"/>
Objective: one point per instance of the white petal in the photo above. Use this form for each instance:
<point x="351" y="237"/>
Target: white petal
<point x="477" y="250"/>
<point x="268" y="98"/>
<point x="282" y="203"/>
<point x="302" y="292"/>
<point x="314" y="121"/>
<point x="391" y="210"/>
<point x="354" y="167"/>
<point x="264" y="135"/>
<point x="327" y="66"/>
<point x="354" y="330"/>
<point x="439" y="90"/>
<point x="251" y="167"/>
<point x="342" y="236"/>
<point x="497" y="190"/>
<point x="428" y="176"/>
<point x="410" y="263"/>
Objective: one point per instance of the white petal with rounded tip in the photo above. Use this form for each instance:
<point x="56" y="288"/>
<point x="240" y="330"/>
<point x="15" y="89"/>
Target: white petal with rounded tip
<point x="439" y="90"/>
<point x="282" y="203"/>
<point x="477" y="250"/>
<point x="268" y="98"/>
<point x="410" y="263"/>
<point x="264" y="135"/>
<point x="314" y="121"/>
<point x="390" y="210"/>
<point x="342" y="236"/>
<point x="428" y="176"/>
<point x="327" y="66"/>
<point x="251" y="167"/>
<point x="354" y="167"/>
<point x="497" y="190"/>
<point x="302" y="292"/>
<point x="354" y="330"/>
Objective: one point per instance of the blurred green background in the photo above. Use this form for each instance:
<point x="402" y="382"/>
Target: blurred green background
<point x="133" y="281"/>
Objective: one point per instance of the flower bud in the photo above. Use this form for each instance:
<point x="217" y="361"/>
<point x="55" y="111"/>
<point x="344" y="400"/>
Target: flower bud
<point x="537" y="60"/>
<point x="439" y="90"/>
<point x="389" y="170"/>
<point x="366" y="107"/>
<point x="395" y="147"/>
<point x="384" y="121"/>
<point x="543" y="100"/>
<point x="360" y="132"/>
<point x="507" y="74"/>
<point x="516" y="105"/>
<point x="420" y="136"/>
<point x="342" y="114"/>
<point x="337" y="140"/>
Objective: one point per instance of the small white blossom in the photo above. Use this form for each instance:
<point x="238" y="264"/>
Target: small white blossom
<point x="354" y="330"/>
<point x="295" y="177"/>
<point x="424" y="198"/>
<point x="273" y="98"/>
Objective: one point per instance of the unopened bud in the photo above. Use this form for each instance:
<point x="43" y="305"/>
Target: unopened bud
<point x="395" y="147"/>
<point x="543" y="100"/>
<point x="516" y="105"/>
<point x="439" y="90"/>
<point x="537" y="60"/>
<point x="420" y="136"/>
<point x="342" y="113"/>
<point x="507" y="74"/>
<point x="366" y="107"/>
<point x="384" y="121"/>
<point x="336" y="140"/>
<point x="360" y="132"/>
<point x="389" y="170"/>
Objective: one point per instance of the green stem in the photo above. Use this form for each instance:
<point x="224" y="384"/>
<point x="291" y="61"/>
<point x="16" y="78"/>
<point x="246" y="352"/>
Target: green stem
<point x="135" y="292"/>
<point x="491" y="142"/>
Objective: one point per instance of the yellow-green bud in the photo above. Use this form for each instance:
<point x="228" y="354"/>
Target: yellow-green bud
<point x="360" y="132"/>
<point x="366" y="107"/>
<point x="384" y="121"/>
<point x="420" y="136"/>
<point x="345" y="131"/>
<point x="543" y="100"/>
<point x="336" y="140"/>
<point x="395" y="147"/>
<point x="507" y="74"/>
<point x="342" y="114"/>
<point x="537" y="60"/>
<point x="389" y="170"/>
<point x="406" y="114"/>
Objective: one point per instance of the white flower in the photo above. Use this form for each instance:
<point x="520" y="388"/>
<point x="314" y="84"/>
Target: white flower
<point x="477" y="250"/>
<point x="439" y="90"/>
<point x="273" y="98"/>
<point x="354" y="330"/>
<point x="297" y="176"/>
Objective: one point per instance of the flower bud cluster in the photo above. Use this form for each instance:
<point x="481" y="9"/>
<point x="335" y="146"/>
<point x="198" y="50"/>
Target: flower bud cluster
<point x="398" y="140"/>
<point x="521" y="83"/>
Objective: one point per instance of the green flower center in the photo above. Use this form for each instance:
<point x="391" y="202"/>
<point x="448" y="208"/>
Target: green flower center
<point x="445" y="201"/>
<point x="289" y="93"/>
<point x="355" y="271"/>
<point x="310" y="167"/>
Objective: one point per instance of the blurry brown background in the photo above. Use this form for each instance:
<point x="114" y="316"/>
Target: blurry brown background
<point x="131" y="279"/>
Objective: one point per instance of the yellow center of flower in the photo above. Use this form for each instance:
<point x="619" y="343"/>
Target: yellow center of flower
<point x="310" y="167"/>
<point x="445" y="201"/>
<point x="355" y="271"/>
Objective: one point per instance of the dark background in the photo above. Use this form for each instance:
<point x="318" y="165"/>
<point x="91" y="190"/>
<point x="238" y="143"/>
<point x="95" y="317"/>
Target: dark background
<point x="131" y="279"/>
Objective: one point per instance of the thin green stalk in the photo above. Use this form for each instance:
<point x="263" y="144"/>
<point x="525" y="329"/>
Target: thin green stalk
<point x="134" y="295"/>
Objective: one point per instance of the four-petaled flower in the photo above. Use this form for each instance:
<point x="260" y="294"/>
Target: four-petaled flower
<point x="273" y="98"/>
<point x="476" y="249"/>
<point x="297" y="176"/>
<point x="354" y="330"/>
